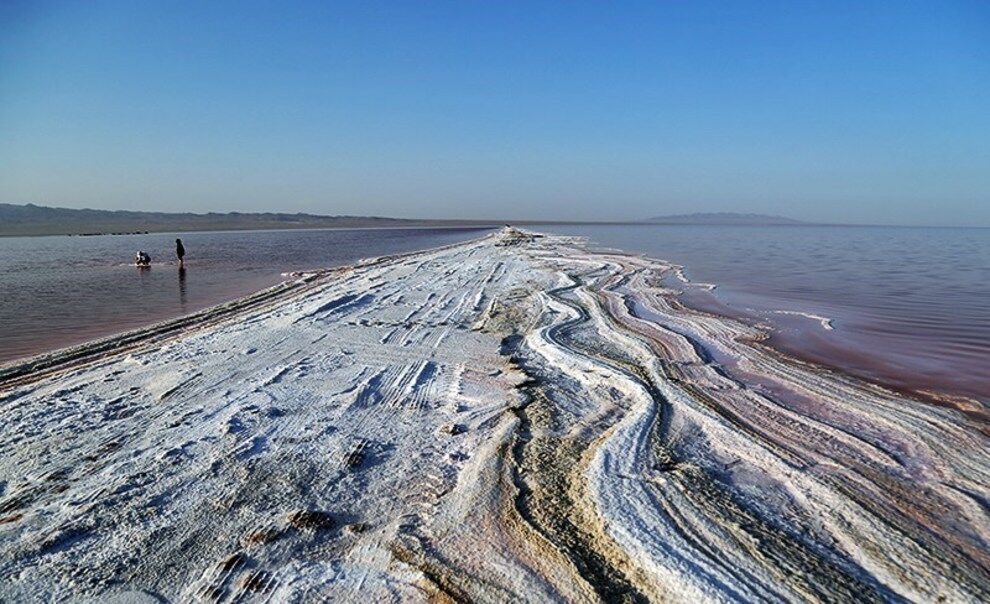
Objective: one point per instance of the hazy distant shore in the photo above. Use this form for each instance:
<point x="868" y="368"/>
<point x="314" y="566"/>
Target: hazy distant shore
<point x="33" y="220"/>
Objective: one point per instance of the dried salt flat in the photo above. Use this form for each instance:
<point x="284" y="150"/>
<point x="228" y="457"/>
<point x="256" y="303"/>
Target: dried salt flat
<point x="509" y="418"/>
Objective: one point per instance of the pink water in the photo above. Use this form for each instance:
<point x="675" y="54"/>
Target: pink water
<point x="909" y="307"/>
<point x="60" y="291"/>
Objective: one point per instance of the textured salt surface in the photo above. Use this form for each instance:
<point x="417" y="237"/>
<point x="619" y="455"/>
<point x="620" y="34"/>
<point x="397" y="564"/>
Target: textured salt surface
<point x="510" y="418"/>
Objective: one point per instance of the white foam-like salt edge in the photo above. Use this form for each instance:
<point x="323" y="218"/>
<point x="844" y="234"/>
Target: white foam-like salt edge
<point x="825" y="322"/>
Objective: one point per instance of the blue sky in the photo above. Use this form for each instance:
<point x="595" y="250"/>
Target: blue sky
<point x="866" y="112"/>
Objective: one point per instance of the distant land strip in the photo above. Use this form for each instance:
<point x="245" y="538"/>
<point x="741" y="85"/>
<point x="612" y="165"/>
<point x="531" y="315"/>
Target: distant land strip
<point x="35" y="220"/>
<point x="30" y="219"/>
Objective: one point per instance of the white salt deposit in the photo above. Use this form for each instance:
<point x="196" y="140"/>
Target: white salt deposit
<point x="509" y="418"/>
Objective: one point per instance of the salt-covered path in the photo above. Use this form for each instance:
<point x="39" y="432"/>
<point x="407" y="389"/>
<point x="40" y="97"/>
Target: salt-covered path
<point x="510" y="418"/>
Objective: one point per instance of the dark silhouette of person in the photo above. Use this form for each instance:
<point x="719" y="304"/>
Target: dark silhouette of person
<point x="180" y="251"/>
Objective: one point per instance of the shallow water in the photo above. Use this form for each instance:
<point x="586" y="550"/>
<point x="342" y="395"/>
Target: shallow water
<point x="60" y="291"/>
<point x="909" y="307"/>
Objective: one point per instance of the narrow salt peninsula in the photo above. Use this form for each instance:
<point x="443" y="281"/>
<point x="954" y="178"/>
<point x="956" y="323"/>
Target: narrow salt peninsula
<point x="512" y="418"/>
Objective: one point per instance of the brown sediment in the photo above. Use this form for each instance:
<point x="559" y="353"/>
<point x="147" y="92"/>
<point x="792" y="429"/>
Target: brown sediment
<point x="454" y="554"/>
<point x="576" y="528"/>
<point x="448" y="558"/>
<point x="441" y="584"/>
<point x="785" y="550"/>
<point x="551" y="490"/>
<point x="311" y="520"/>
<point x="11" y="518"/>
<point x="550" y="460"/>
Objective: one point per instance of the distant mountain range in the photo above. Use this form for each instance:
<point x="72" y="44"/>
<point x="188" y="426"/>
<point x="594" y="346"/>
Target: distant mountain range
<point x="32" y="219"/>
<point x="725" y="218"/>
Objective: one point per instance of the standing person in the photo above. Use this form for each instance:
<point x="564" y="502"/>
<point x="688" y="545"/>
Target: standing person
<point x="180" y="251"/>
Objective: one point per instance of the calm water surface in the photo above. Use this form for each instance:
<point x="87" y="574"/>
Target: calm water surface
<point x="909" y="307"/>
<point x="60" y="291"/>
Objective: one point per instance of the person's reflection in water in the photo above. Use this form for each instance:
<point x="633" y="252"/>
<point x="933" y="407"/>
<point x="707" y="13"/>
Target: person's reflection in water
<point x="182" y="287"/>
<point x="145" y="272"/>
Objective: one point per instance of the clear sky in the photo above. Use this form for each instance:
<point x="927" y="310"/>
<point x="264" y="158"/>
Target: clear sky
<point x="875" y="112"/>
